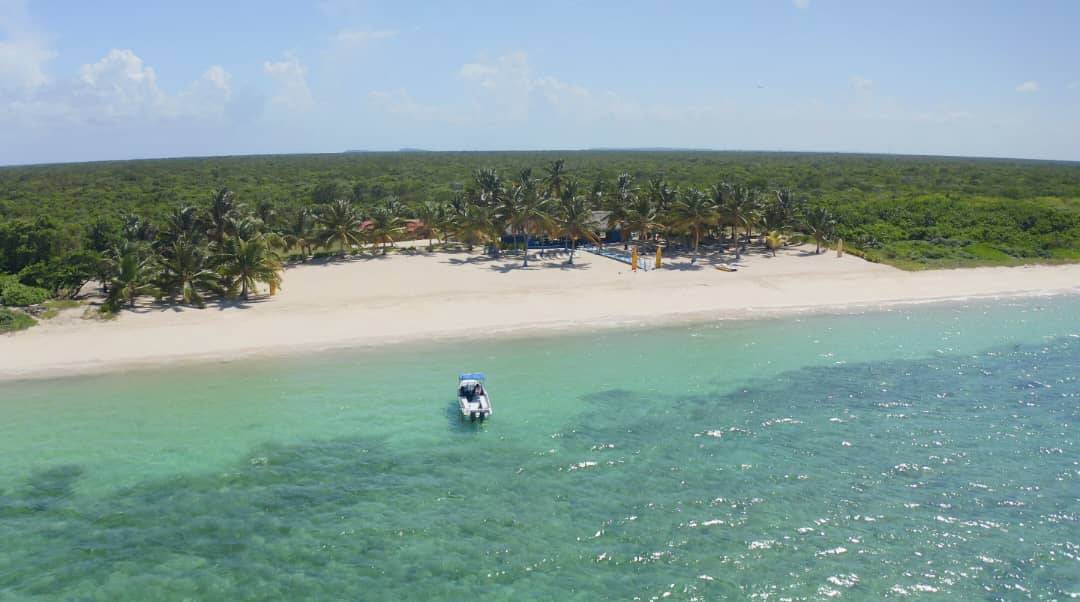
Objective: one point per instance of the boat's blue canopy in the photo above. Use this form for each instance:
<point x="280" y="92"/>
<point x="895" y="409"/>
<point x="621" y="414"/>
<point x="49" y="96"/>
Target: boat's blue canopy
<point x="471" y="376"/>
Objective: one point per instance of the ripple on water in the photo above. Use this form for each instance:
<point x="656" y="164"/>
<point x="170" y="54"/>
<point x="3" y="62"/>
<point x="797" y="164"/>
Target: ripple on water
<point x="631" y="492"/>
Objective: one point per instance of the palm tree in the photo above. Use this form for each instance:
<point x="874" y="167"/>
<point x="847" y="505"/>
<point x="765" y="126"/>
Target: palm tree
<point x="695" y="214"/>
<point x="819" y="223"/>
<point x="662" y="195"/>
<point x="135" y="229"/>
<point x="186" y="272"/>
<point x="183" y="222"/>
<point x="641" y="218"/>
<point x="267" y="213"/>
<point x="431" y="221"/>
<point x="782" y="212"/>
<point x="533" y="219"/>
<point x="340" y="223"/>
<point x="510" y="210"/>
<point x="738" y="208"/>
<point x="133" y="271"/>
<point x="299" y="234"/>
<point x="618" y="207"/>
<point x="472" y="223"/>
<point x="385" y="224"/>
<point x="491" y="186"/>
<point x="244" y="225"/>
<point x="245" y="263"/>
<point x="221" y="211"/>
<point x="554" y="177"/>
<point x="575" y="221"/>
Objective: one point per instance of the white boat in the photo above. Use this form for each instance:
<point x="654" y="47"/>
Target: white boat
<point x="473" y="397"/>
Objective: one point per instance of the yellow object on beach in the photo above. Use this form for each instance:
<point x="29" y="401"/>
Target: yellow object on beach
<point x="633" y="260"/>
<point x="659" y="257"/>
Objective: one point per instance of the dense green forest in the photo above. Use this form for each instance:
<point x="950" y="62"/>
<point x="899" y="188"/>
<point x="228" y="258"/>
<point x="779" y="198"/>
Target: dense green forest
<point x="61" y="225"/>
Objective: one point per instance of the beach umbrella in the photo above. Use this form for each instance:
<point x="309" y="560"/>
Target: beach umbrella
<point x="633" y="260"/>
<point x="659" y="257"/>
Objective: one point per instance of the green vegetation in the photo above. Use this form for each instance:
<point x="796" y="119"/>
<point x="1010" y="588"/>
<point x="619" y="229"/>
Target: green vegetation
<point x="16" y="294"/>
<point x="53" y="307"/>
<point x="185" y="230"/>
<point x="12" y="320"/>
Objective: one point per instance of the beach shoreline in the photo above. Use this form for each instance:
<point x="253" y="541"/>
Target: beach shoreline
<point x="437" y="298"/>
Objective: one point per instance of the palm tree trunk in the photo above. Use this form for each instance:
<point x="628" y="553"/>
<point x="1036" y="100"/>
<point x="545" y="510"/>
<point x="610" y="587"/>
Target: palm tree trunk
<point x="243" y="288"/>
<point x="526" y="250"/>
<point x="697" y="241"/>
<point x="573" y="247"/>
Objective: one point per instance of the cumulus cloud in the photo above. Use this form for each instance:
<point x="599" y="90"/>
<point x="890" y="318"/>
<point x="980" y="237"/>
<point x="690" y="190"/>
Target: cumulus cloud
<point x="861" y="84"/>
<point x="23" y="51"/>
<point x="801" y="4"/>
<point x="507" y="88"/>
<point x="208" y="96"/>
<point x="119" y="87"/>
<point x="1028" y="87"/>
<point x="400" y="102"/>
<point x="290" y="75"/>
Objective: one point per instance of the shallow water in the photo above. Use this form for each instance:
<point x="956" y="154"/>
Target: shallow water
<point x="924" y="451"/>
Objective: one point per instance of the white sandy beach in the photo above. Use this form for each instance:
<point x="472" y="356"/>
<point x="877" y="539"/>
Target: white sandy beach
<point x="411" y="298"/>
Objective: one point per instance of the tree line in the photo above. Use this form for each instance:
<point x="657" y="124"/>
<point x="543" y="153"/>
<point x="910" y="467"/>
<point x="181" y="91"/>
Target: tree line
<point x="185" y="251"/>
<point x="226" y="248"/>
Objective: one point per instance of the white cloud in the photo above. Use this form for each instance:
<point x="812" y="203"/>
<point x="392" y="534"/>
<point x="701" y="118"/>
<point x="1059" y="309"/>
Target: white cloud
<point x="1073" y="85"/>
<point x="477" y="71"/>
<point x="119" y="87"/>
<point x="23" y="51"/>
<point x="399" y="102"/>
<point x="507" y="90"/>
<point x="209" y="95"/>
<point x="505" y="84"/>
<point x="862" y="84"/>
<point x="290" y="74"/>
<point x="801" y="4"/>
<point x="1028" y="87"/>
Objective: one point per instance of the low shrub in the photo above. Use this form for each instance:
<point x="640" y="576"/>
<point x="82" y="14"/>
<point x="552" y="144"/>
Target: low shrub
<point x="16" y="294"/>
<point x="12" y="320"/>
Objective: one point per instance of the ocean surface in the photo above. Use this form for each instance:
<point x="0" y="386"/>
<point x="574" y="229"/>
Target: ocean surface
<point x="921" y="452"/>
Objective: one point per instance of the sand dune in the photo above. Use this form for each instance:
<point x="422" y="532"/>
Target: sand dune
<point x="398" y="298"/>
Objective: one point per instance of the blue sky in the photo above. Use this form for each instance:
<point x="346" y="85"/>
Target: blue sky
<point x="115" y="80"/>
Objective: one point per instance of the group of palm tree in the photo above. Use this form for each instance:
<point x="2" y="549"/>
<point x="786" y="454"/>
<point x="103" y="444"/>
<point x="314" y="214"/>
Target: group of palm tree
<point x="555" y="206"/>
<point x="226" y="250"/>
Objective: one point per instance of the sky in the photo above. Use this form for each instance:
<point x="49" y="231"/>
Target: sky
<point x="86" y="81"/>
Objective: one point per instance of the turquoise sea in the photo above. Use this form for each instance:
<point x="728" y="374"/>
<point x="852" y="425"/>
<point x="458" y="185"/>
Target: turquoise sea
<point x="921" y="452"/>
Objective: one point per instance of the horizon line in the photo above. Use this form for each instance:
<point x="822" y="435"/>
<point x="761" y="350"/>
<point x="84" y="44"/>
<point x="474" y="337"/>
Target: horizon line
<point x="598" y="149"/>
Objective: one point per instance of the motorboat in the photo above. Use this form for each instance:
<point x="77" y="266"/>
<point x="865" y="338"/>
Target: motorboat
<point x="473" y="397"/>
